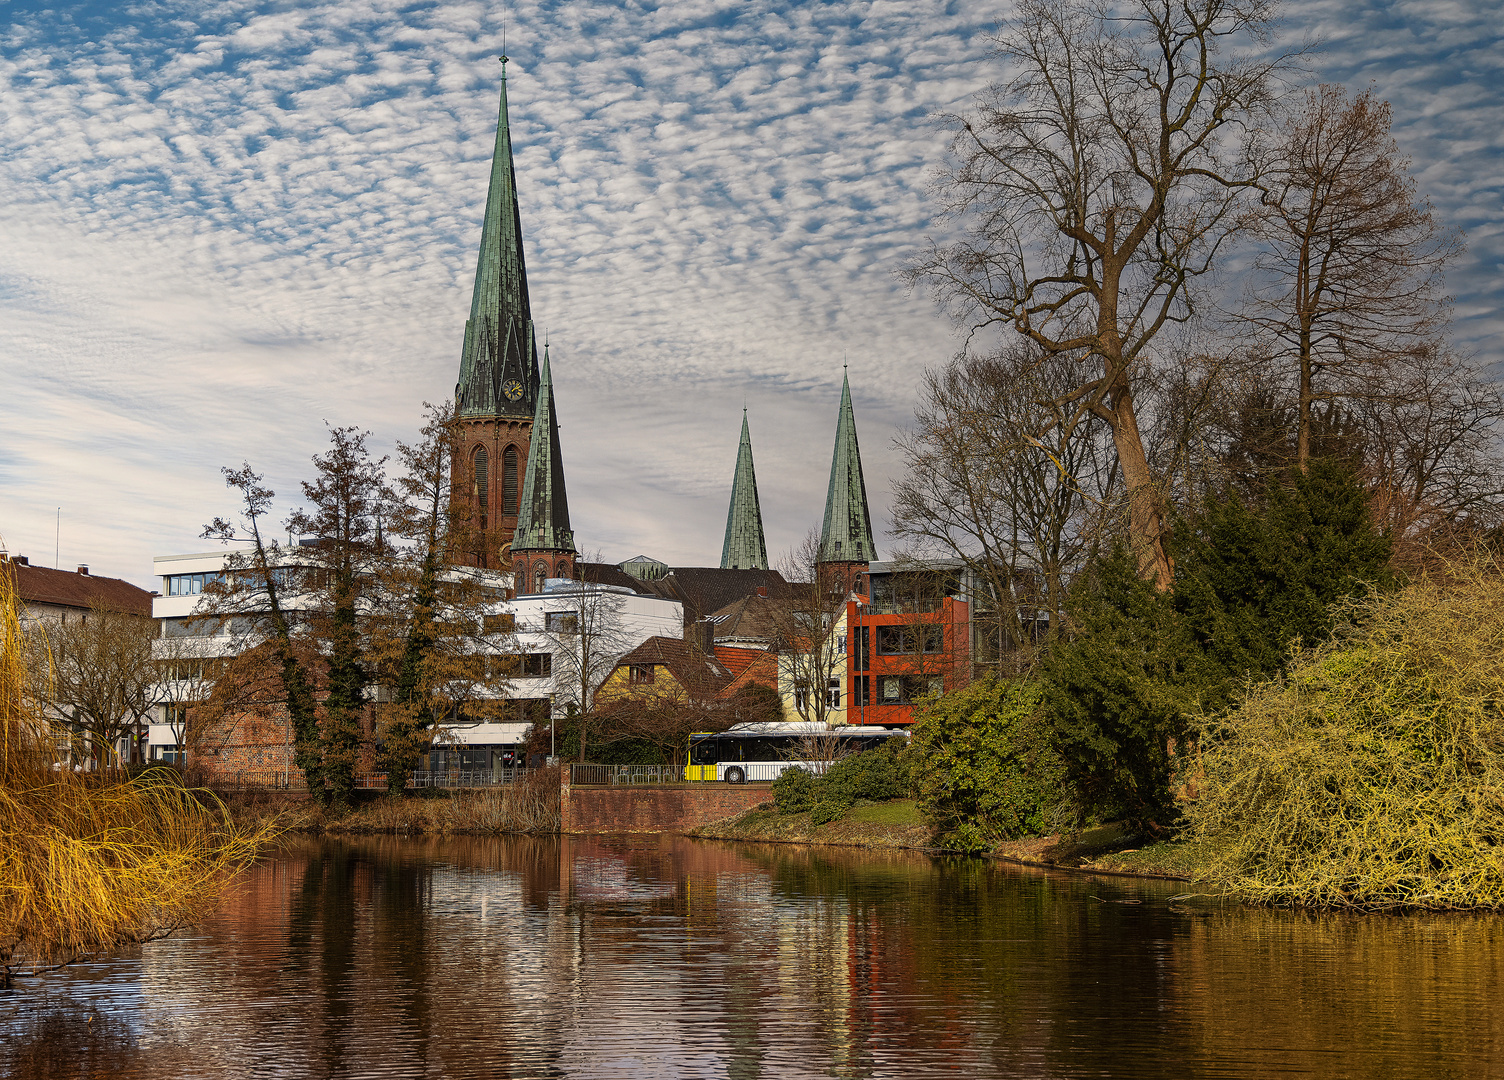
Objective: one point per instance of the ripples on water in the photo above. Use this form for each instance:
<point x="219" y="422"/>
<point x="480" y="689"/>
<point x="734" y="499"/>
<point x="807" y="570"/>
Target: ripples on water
<point x="665" y="957"/>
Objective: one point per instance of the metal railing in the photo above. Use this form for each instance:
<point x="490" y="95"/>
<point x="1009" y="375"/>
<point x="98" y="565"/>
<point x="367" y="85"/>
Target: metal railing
<point x="602" y="775"/>
<point x="460" y="778"/>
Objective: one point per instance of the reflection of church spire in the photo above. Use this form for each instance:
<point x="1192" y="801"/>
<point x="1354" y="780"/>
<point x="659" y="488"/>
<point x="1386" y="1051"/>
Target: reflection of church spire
<point x="744" y="548"/>
<point x="499" y="364"/>
<point x="846" y="536"/>
<point x="543" y="517"/>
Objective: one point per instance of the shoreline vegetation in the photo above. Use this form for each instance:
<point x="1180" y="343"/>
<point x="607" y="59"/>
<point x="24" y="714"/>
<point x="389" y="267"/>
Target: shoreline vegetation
<point x="530" y="808"/>
<point x="93" y="861"/>
<point x="898" y="825"/>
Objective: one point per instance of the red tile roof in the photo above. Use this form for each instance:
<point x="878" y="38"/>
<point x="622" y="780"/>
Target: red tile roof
<point x="43" y="585"/>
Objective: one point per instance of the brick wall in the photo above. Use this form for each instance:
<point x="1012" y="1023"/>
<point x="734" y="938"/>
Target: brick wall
<point x="260" y="741"/>
<point x="655" y="808"/>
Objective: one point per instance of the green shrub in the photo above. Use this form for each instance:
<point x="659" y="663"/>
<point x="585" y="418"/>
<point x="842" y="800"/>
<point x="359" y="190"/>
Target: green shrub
<point x="985" y="769"/>
<point x="794" y="791"/>
<point x="876" y="775"/>
<point x="1372" y="775"/>
<point x="828" y="810"/>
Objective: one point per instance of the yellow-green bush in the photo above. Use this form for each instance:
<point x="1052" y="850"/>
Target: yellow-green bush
<point x="88" y="862"/>
<point x="1373" y="775"/>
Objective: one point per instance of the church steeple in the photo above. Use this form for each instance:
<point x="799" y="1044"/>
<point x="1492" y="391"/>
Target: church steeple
<point x="846" y="536"/>
<point x="497" y="391"/>
<point x="544" y="543"/>
<point x="744" y="547"/>
<point x="499" y="364"/>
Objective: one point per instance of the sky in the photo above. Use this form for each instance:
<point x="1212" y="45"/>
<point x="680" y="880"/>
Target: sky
<point x="225" y="224"/>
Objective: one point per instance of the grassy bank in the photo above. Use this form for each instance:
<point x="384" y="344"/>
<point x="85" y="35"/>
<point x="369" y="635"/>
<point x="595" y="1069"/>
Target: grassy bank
<point x="1111" y="849"/>
<point x="893" y="824"/>
<point x="896" y="824"/>
<point x="531" y="808"/>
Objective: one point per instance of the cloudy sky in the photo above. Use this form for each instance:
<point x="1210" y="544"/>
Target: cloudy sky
<point x="224" y="223"/>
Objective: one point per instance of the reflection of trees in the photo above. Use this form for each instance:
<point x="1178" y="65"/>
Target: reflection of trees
<point x="579" y="956"/>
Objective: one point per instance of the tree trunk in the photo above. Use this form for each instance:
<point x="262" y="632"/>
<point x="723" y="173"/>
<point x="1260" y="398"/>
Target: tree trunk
<point x="1146" y="516"/>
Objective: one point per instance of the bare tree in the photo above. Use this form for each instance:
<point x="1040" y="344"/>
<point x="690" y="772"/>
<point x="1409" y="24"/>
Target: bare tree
<point x="1349" y="278"/>
<point x="587" y="635"/>
<point x="106" y="681"/>
<point x="1098" y="183"/>
<point x="331" y="577"/>
<point x="805" y="614"/>
<point x="1432" y="442"/>
<point x="820" y="750"/>
<point x="995" y="477"/>
<point x="256" y="587"/>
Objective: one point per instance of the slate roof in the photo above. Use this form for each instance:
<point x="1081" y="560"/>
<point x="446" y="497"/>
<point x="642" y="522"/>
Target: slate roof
<point x="706" y="589"/>
<point x="748" y="619"/>
<point x="700" y="589"/>
<point x="43" y="585"/>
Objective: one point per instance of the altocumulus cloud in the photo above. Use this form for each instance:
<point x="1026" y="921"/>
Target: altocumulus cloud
<point x="225" y="223"/>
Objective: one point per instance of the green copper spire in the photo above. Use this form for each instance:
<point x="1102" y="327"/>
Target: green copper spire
<point x="847" y="533"/>
<point x="499" y="365"/>
<point x="543" y="517"/>
<point x="744" y="548"/>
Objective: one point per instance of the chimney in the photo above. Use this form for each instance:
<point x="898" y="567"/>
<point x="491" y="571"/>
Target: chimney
<point x="83" y="569"/>
<point x="22" y="560"/>
<point x="701" y="636"/>
<point x="762" y="590"/>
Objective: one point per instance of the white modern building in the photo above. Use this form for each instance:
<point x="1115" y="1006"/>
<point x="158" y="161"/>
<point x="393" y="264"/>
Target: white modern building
<point x="567" y="638"/>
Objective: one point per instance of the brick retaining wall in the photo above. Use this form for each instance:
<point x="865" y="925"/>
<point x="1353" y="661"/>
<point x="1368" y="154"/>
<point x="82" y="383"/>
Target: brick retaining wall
<point x="654" y="808"/>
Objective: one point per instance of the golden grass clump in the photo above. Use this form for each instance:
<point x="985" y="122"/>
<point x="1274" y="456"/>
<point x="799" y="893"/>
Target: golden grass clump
<point x="530" y="807"/>
<point x="1373" y="775"/>
<point x="88" y="862"/>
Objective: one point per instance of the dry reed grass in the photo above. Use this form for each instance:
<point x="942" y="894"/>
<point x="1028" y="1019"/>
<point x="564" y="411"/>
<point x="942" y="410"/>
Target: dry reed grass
<point x="88" y="862"/>
<point x="531" y="807"/>
<point x="1373" y="776"/>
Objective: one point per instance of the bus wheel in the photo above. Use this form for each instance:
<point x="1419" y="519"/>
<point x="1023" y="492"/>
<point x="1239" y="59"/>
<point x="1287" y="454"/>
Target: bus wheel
<point x="736" y="775"/>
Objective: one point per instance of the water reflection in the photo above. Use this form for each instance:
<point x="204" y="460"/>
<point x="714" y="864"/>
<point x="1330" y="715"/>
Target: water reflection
<point x="649" y="956"/>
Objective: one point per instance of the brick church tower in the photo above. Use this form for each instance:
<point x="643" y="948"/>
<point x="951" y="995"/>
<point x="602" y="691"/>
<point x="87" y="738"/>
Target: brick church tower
<point x="498" y="390"/>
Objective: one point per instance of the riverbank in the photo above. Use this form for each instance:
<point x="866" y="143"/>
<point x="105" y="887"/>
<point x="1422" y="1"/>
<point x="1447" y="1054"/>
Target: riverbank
<point x="531" y="809"/>
<point x="1107" y="849"/>
<point x="877" y="825"/>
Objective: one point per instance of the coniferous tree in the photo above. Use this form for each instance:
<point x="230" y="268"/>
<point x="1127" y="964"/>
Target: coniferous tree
<point x="1251" y="581"/>
<point x="347" y="500"/>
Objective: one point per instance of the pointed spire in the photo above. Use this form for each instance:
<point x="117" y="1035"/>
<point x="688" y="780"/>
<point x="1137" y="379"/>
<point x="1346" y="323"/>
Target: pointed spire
<point x="499" y="364"/>
<point x="847" y="533"/>
<point x="543" y="517"/>
<point x="744" y="548"/>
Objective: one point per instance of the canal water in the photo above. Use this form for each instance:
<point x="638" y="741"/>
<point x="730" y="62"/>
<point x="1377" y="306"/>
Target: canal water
<point x="667" y="957"/>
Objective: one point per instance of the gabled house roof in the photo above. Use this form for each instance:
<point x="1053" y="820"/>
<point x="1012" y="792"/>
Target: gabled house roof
<point x="694" y="670"/>
<point x="750" y="619"/>
<point x="77" y="589"/>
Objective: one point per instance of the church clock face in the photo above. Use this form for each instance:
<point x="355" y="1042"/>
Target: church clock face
<point x="512" y="389"/>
